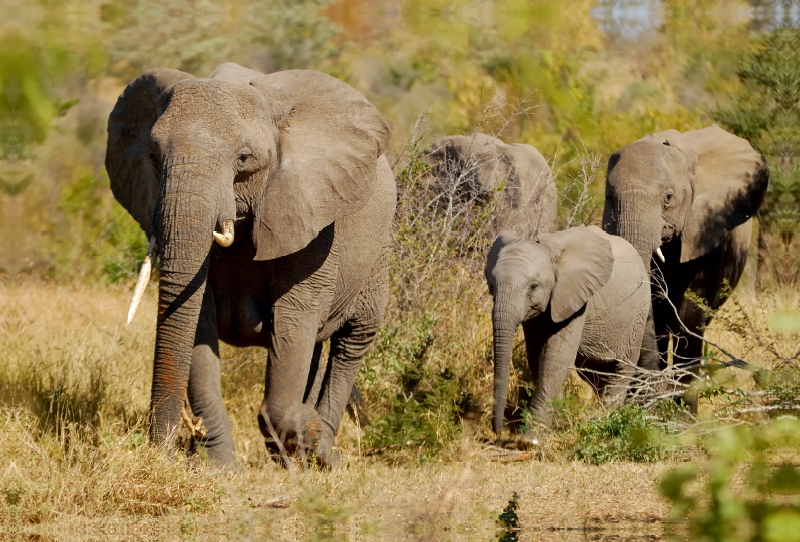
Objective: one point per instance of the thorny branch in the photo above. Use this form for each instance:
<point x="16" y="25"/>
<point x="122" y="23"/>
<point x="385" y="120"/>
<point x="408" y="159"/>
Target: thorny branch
<point x="649" y="387"/>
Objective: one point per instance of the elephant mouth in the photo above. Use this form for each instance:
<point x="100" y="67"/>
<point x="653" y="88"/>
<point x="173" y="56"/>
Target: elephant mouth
<point x="223" y="238"/>
<point x="667" y="233"/>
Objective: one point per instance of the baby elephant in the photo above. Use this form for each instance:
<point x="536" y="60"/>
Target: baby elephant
<point x="582" y="297"/>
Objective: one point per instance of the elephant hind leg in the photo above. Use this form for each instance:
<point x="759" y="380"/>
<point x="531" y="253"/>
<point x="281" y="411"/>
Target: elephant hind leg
<point x="349" y="344"/>
<point x="356" y="407"/>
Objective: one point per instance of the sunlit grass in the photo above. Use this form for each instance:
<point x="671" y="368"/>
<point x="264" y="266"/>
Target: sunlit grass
<point x="87" y="460"/>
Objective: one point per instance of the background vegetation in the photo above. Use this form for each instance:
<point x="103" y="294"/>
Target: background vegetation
<point x="575" y="79"/>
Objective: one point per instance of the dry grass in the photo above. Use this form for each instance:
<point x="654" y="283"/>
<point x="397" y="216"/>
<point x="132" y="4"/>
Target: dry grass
<point x="75" y="384"/>
<point x="86" y="469"/>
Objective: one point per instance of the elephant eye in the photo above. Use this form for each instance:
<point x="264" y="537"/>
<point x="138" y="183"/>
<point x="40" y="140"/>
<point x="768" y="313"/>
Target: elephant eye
<point x="533" y="286"/>
<point x="668" y="196"/>
<point x="243" y="157"/>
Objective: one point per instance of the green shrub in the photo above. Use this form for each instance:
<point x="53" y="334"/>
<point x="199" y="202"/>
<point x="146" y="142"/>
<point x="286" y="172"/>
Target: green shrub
<point x="626" y="434"/>
<point x="418" y="405"/>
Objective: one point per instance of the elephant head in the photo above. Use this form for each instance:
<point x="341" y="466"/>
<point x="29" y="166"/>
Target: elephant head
<point x="478" y="162"/>
<point x="477" y="165"/>
<point x="694" y="186"/>
<point x="551" y="277"/>
<point x="197" y="160"/>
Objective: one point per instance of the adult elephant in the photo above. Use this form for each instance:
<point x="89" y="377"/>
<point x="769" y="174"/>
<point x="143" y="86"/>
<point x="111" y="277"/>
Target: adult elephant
<point x="687" y="198"/>
<point x="476" y="165"/>
<point x="286" y="172"/>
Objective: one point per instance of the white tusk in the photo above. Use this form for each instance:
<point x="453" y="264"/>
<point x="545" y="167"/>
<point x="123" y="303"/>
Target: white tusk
<point x="144" y="278"/>
<point x="225" y="238"/>
<point x="660" y="254"/>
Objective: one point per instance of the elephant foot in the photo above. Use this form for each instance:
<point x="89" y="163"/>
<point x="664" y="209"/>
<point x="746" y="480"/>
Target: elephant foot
<point x="327" y="454"/>
<point x="613" y="401"/>
<point x="524" y="442"/>
<point x="219" y="457"/>
<point x="528" y="441"/>
<point x="296" y="434"/>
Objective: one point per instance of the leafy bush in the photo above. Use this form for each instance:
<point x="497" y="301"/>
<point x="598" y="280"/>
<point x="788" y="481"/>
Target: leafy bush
<point x="626" y="434"/>
<point x="748" y="491"/>
<point x="424" y="415"/>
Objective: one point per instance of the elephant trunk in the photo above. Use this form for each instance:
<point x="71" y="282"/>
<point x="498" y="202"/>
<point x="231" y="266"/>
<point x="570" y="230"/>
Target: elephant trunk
<point x="185" y="220"/>
<point x="640" y="228"/>
<point x="505" y="320"/>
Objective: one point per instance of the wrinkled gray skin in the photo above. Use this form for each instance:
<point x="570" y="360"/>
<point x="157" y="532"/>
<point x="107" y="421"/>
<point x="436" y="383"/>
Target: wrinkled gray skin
<point x="691" y="194"/>
<point x="582" y="298"/>
<point x="481" y="163"/>
<point x="295" y="158"/>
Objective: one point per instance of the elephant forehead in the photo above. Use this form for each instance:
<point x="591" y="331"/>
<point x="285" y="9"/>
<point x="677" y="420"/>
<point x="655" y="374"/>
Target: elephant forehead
<point x="210" y="112"/>
<point x="522" y="264"/>
<point x="211" y="98"/>
<point x="641" y="163"/>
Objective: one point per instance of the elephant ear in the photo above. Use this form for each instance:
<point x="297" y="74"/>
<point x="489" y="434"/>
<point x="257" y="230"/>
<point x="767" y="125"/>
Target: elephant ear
<point x="504" y="238"/>
<point x="131" y="170"/>
<point x="730" y="180"/>
<point x="583" y="264"/>
<point x="330" y="138"/>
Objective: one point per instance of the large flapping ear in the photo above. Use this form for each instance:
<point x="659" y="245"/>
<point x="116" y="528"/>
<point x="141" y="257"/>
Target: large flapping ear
<point x="583" y="261"/>
<point x="730" y="180"/>
<point x="330" y="138"/>
<point x="504" y="238"/>
<point x="131" y="169"/>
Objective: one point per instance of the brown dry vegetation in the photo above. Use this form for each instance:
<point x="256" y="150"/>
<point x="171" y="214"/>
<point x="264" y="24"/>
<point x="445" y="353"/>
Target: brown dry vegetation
<point x="75" y="447"/>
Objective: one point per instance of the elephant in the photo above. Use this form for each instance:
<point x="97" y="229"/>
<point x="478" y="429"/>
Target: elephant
<point x="582" y="297"/>
<point x="687" y="199"/>
<point x="269" y="201"/>
<point x="477" y="164"/>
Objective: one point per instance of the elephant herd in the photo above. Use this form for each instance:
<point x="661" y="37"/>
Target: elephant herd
<point x="269" y="201"/>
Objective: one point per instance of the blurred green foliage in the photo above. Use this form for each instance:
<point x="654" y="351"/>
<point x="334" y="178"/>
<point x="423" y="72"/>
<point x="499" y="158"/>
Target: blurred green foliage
<point x="749" y="490"/>
<point x="570" y="78"/>
<point x="766" y="111"/>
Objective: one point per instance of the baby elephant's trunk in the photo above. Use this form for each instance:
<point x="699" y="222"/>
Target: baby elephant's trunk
<point x="505" y="322"/>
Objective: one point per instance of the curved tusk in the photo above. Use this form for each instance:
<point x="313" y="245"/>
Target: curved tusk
<point x="660" y="254"/>
<point x="225" y="238"/>
<point x="144" y="278"/>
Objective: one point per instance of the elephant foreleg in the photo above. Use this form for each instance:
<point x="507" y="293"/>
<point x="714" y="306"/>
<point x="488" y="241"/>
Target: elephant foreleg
<point x="688" y="350"/>
<point x="649" y="357"/>
<point x="315" y="377"/>
<point x="204" y="391"/>
<point x="287" y="422"/>
<point x="556" y="360"/>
